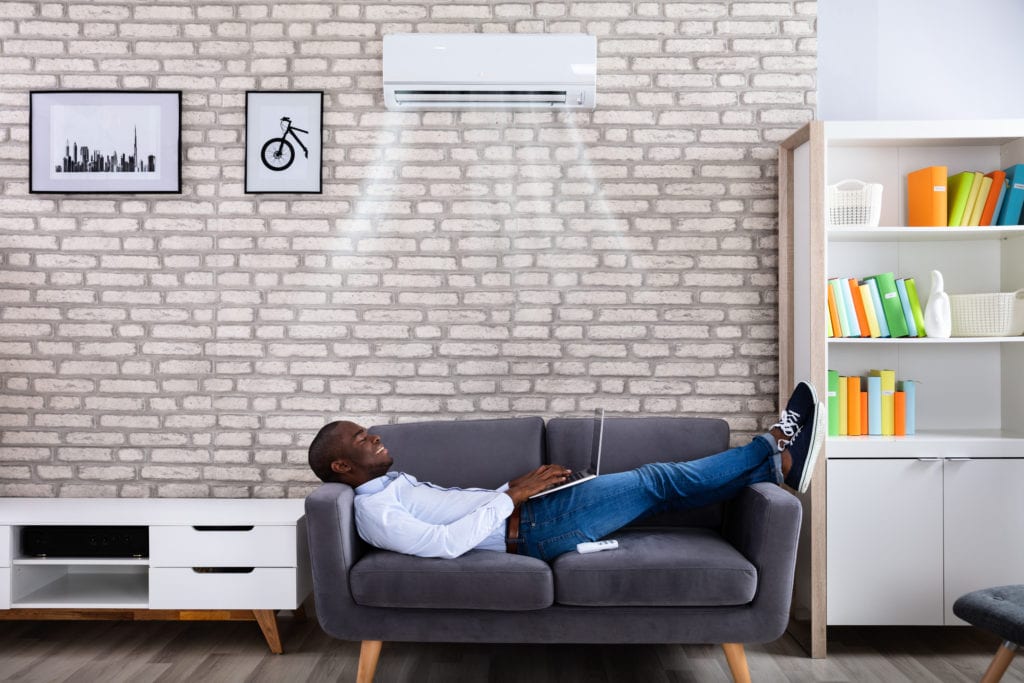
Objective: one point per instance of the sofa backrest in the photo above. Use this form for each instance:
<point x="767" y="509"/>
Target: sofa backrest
<point x="466" y="453"/>
<point x="633" y="441"/>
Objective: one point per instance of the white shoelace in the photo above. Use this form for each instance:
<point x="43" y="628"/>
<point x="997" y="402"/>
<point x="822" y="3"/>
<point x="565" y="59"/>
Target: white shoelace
<point x="789" y="426"/>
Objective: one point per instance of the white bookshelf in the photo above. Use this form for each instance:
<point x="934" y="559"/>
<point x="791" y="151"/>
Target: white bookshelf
<point x="868" y="555"/>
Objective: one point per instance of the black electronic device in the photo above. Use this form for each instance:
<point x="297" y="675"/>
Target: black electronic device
<point x="85" y="541"/>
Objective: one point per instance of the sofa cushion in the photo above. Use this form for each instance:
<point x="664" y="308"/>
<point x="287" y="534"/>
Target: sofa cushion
<point x="687" y="567"/>
<point x="629" y="442"/>
<point x="466" y="453"/>
<point x="480" y="579"/>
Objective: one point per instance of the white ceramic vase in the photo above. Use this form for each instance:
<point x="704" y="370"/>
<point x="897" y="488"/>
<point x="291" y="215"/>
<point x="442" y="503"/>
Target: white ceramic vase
<point x="938" y="322"/>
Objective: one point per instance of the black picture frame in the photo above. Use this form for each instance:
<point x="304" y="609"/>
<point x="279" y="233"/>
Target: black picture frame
<point x="274" y="120"/>
<point x="99" y="120"/>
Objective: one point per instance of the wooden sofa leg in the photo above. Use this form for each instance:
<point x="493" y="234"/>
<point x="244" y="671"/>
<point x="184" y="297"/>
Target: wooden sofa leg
<point x="737" y="658"/>
<point x="999" y="664"/>
<point x="369" y="653"/>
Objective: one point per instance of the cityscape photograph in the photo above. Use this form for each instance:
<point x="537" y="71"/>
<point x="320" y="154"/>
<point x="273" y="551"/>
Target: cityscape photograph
<point x="81" y="159"/>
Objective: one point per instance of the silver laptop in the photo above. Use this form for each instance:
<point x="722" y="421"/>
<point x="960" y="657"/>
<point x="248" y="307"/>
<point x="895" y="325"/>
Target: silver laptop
<point x="595" y="459"/>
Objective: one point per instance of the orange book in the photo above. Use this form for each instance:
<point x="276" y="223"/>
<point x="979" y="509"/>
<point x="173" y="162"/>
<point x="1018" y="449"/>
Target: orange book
<point x="926" y="197"/>
<point x="853" y="427"/>
<point x="899" y="427"/>
<point x="834" y="314"/>
<point x="858" y="305"/>
<point x="998" y="180"/>
<point x="864" y="413"/>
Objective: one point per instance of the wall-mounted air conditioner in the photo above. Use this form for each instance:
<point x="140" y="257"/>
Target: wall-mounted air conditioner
<point x="487" y="70"/>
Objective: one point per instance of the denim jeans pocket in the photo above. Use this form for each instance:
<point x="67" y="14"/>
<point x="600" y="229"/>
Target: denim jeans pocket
<point x="550" y="548"/>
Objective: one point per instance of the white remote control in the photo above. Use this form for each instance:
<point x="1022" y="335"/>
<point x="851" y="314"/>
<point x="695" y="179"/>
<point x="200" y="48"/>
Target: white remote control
<point x="596" y="546"/>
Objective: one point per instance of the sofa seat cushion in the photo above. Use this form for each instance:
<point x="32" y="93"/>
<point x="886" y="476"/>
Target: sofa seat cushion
<point x="681" y="567"/>
<point x="480" y="579"/>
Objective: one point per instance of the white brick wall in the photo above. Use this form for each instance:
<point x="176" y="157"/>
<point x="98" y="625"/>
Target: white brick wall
<point x="457" y="265"/>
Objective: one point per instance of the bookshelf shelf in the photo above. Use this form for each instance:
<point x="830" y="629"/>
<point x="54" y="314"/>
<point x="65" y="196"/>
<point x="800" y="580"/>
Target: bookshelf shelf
<point x="871" y="494"/>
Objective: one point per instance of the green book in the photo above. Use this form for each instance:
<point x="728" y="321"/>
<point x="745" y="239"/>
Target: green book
<point x="959" y="190"/>
<point x="891" y="305"/>
<point x="833" y="403"/>
<point x="915" y="307"/>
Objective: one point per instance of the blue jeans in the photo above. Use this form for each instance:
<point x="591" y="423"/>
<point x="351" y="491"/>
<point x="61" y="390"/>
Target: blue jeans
<point x="555" y="523"/>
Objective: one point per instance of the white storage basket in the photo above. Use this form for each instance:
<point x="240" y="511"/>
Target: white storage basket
<point x="853" y="202"/>
<point x="987" y="315"/>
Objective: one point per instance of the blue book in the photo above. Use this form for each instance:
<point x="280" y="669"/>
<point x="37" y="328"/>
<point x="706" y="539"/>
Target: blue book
<point x="876" y="299"/>
<point x="999" y="204"/>
<point x="851" y="311"/>
<point x="909" y="389"/>
<point x="901" y="287"/>
<point x="844" y="321"/>
<point x="875" y="406"/>
<point x="1014" y="200"/>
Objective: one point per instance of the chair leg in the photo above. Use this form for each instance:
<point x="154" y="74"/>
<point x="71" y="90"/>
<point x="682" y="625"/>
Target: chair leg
<point x="737" y="659"/>
<point x="999" y="664"/>
<point x="369" y="652"/>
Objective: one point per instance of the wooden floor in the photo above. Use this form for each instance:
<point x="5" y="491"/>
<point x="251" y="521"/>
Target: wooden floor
<point x="203" y="652"/>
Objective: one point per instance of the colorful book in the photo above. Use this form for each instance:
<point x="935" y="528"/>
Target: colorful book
<point x="858" y="307"/>
<point x="888" y="389"/>
<point x="979" y="204"/>
<point x="1014" y="200"/>
<point x="869" y="311"/>
<point x="833" y="403"/>
<point x="959" y="187"/>
<point x="926" y="197"/>
<point x="908" y="315"/>
<point x="844" y="322"/>
<point x="863" y="409"/>
<point x="844" y="407"/>
<point x="899" y="423"/>
<point x="972" y="198"/>
<point x="909" y="389"/>
<point x="891" y="304"/>
<point x="915" y="306"/>
<point x="874" y="405"/>
<point x="828" y="323"/>
<point x="851" y="312"/>
<point x="853" y="405"/>
<point x="991" y="209"/>
<point x="876" y="299"/>
<point x="833" y="312"/>
<point x="999" y="202"/>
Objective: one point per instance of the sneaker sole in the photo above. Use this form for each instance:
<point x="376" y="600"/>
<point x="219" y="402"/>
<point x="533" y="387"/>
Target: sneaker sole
<point x="817" y="438"/>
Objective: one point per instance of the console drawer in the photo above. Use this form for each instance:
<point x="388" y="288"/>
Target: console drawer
<point x="184" y="588"/>
<point x="5" y="587"/>
<point x="5" y="546"/>
<point x="246" y="546"/>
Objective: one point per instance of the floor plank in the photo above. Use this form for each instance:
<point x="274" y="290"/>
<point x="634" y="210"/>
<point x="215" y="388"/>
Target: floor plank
<point x="229" y="652"/>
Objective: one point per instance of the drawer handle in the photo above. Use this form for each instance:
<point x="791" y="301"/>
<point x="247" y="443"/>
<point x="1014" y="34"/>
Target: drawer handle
<point x="223" y="570"/>
<point x="224" y="528"/>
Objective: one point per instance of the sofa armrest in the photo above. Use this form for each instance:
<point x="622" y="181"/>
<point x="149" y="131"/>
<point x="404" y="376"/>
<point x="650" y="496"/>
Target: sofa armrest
<point x="334" y="547"/>
<point x="763" y="523"/>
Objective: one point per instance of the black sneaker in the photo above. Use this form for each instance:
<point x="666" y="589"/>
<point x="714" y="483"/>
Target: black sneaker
<point x="795" y="415"/>
<point x="805" y="448"/>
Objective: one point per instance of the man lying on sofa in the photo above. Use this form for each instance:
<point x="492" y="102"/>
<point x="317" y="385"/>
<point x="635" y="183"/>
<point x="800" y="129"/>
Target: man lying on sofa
<point x="396" y="512"/>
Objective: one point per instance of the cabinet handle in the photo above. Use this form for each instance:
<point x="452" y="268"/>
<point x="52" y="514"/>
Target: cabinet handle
<point x="223" y="528"/>
<point x="223" y="570"/>
<point x="929" y="459"/>
<point x="960" y="459"/>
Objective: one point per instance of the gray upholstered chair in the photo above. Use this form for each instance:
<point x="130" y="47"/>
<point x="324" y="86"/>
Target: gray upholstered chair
<point x="1001" y="611"/>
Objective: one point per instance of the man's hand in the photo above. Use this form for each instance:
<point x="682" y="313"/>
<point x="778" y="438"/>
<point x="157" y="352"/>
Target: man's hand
<point x="544" y="477"/>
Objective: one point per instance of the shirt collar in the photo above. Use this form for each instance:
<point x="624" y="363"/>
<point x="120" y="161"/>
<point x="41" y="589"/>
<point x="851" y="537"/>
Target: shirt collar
<point x="376" y="485"/>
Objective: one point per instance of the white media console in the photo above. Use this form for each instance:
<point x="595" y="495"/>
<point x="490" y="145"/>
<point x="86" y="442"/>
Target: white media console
<point x="209" y="559"/>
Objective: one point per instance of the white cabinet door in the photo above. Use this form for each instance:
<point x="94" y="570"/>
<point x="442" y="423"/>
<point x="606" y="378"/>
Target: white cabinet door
<point x="884" y="563"/>
<point x="984" y="522"/>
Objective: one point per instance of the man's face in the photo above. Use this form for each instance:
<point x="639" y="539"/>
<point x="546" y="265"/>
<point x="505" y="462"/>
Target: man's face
<point x="361" y="457"/>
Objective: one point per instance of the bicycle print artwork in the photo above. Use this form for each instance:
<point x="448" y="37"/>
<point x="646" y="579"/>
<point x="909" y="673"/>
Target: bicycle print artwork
<point x="284" y="141"/>
<point x="277" y="153"/>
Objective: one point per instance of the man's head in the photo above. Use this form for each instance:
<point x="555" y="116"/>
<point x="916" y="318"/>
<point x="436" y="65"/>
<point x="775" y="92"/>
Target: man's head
<point x="344" y="452"/>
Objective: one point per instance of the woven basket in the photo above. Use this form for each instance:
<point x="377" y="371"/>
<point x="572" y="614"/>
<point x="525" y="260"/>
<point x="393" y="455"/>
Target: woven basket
<point x="987" y="315"/>
<point x="853" y="202"/>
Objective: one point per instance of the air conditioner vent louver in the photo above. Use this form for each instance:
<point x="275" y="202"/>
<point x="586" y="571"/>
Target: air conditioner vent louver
<point x="466" y="71"/>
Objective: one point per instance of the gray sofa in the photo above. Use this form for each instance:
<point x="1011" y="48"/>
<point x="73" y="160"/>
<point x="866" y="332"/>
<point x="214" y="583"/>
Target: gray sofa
<point x="719" y="574"/>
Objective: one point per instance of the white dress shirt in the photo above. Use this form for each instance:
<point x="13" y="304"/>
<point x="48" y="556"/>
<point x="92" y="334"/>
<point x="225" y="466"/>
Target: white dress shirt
<point x="397" y="512"/>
